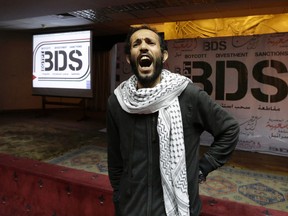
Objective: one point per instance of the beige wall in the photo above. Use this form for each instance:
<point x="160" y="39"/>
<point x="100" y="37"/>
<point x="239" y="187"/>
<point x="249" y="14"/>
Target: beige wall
<point x="15" y="72"/>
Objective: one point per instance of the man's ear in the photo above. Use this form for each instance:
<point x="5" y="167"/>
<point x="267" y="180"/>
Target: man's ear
<point x="165" y="55"/>
<point x="128" y="59"/>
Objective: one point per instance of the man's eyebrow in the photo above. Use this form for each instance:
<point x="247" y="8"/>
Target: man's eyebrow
<point x="145" y="39"/>
<point x="137" y="40"/>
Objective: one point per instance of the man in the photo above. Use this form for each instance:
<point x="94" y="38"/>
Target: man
<point x="154" y="123"/>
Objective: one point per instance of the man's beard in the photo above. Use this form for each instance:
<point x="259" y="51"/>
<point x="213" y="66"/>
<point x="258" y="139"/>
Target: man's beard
<point x="148" y="81"/>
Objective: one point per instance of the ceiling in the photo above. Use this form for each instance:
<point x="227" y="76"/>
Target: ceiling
<point x="110" y="17"/>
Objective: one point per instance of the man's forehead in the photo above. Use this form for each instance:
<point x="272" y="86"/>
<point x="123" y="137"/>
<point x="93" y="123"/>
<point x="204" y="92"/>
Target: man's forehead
<point x="144" y="34"/>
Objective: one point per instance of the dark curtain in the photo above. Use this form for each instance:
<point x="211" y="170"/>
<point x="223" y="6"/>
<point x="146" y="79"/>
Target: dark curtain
<point x="101" y="81"/>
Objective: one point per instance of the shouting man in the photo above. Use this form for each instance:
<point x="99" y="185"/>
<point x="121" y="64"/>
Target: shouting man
<point x="154" y="123"/>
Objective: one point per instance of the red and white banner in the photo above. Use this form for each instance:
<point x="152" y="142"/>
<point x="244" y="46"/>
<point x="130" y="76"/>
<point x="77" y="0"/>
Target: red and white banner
<point x="248" y="76"/>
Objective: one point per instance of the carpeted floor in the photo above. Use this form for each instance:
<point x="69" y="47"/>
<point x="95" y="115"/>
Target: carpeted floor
<point x="62" y="139"/>
<point x="91" y="158"/>
<point x="46" y="137"/>
<point x="42" y="142"/>
<point x="229" y="183"/>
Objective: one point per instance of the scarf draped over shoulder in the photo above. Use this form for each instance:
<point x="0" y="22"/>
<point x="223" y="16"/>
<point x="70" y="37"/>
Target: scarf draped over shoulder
<point x="163" y="98"/>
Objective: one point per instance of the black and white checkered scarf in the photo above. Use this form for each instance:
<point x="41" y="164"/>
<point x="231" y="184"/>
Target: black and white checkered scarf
<point x="163" y="98"/>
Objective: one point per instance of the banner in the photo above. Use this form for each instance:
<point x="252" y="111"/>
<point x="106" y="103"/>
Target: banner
<point x="248" y="76"/>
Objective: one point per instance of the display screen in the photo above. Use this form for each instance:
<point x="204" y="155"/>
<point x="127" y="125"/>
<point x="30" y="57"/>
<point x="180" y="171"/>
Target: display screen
<point x="62" y="64"/>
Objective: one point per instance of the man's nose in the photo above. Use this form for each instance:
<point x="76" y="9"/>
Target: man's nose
<point x="143" y="46"/>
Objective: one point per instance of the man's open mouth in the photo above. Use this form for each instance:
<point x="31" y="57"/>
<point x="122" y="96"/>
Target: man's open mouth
<point x="145" y="61"/>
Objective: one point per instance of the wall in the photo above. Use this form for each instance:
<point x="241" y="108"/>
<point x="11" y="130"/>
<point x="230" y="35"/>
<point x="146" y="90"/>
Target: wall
<point x="223" y="27"/>
<point x="15" y="72"/>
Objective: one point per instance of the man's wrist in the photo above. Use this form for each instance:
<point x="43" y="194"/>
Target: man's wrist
<point x="201" y="177"/>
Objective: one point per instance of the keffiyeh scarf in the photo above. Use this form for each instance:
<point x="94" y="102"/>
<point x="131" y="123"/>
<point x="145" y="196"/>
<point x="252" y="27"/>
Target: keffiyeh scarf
<point x="163" y="98"/>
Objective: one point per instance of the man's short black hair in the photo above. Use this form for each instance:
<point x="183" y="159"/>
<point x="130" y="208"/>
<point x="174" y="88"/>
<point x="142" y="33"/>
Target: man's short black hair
<point x="132" y="30"/>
